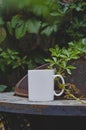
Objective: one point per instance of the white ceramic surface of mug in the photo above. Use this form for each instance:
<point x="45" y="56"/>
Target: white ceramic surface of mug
<point x="41" y="85"/>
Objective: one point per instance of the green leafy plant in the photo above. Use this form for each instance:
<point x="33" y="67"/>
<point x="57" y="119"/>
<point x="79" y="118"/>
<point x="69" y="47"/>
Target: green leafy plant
<point x="19" y="26"/>
<point x="59" y="61"/>
<point x="49" y="19"/>
<point x="10" y="59"/>
<point x="39" y="17"/>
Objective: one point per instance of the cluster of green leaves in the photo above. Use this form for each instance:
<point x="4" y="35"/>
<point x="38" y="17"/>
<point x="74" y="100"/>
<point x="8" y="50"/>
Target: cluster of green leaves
<point x="10" y="59"/>
<point x="19" y="27"/>
<point x="77" y="28"/>
<point x="77" y="21"/>
<point x="45" y="18"/>
<point x="60" y="62"/>
<point x="79" y="46"/>
<point x="60" y="57"/>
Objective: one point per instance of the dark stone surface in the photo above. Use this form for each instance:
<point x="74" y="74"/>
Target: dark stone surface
<point x="78" y="76"/>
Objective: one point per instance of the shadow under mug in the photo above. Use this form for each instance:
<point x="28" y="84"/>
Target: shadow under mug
<point x="41" y="85"/>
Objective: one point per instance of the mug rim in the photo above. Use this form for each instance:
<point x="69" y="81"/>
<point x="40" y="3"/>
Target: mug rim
<point x="42" y="70"/>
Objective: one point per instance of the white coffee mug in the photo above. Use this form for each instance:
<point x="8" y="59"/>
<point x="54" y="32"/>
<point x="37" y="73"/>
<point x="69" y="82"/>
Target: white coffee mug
<point x="41" y="85"/>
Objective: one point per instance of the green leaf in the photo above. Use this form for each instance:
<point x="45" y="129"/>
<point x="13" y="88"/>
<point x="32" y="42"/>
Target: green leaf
<point x="1" y="21"/>
<point x="16" y="20"/>
<point x="71" y="67"/>
<point x="3" y="34"/>
<point x="69" y="71"/>
<point x="47" y="31"/>
<point x="84" y="41"/>
<point x="20" y="31"/>
<point x="3" y="87"/>
<point x="33" y="26"/>
<point x="9" y="27"/>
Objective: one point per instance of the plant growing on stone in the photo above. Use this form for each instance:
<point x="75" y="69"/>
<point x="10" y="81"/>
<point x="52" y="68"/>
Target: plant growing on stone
<point x="60" y="62"/>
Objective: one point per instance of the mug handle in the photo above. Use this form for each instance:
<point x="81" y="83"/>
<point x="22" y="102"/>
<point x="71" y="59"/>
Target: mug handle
<point x="63" y="82"/>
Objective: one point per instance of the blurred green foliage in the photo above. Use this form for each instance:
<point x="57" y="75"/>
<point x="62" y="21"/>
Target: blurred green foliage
<point x="32" y="27"/>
